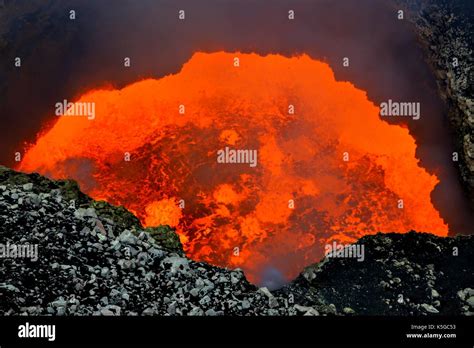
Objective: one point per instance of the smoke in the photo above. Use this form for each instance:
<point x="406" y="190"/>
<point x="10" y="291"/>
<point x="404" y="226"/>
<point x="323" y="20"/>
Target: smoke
<point x="272" y="278"/>
<point x="62" y="58"/>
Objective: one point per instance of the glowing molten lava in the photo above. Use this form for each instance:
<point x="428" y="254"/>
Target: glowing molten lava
<point x="330" y="171"/>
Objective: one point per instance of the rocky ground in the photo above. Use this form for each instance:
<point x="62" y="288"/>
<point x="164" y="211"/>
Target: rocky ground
<point x="96" y="259"/>
<point x="402" y="274"/>
<point x="445" y="30"/>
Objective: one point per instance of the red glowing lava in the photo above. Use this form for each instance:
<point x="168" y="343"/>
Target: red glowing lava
<point x="332" y="170"/>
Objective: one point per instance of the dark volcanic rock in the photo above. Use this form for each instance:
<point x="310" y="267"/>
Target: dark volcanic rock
<point x="445" y="29"/>
<point x="96" y="259"/>
<point x="402" y="274"/>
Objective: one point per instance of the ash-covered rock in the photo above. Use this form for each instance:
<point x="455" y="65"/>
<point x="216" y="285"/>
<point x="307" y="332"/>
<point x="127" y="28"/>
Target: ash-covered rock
<point x="445" y="29"/>
<point x="96" y="259"/>
<point x="402" y="274"/>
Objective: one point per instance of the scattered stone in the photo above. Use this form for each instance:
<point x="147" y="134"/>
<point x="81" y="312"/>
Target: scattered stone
<point x="28" y="187"/>
<point x="348" y="310"/>
<point x="429" y="308"/>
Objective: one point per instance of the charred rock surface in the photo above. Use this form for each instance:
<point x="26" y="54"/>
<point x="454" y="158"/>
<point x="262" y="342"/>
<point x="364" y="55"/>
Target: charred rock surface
<point x="401" y="274"/>
<point x="96" y="259"/>
<point x="445" y="30"/>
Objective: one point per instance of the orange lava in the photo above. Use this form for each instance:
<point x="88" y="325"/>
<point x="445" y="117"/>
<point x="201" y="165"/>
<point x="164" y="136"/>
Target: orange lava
<point x="301" y="194"/>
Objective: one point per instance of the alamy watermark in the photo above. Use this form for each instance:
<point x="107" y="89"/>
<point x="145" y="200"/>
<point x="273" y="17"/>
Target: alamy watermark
<point x="229" y="155"/>
<point x="85" y="109"/>
<point x="336" y="250"/>
<point x="405" y="109"/>
<point x="19" y="251"/>
<point x="28" y="330"/>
